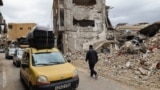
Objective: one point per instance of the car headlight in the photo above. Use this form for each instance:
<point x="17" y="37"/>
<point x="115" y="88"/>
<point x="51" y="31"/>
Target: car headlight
<point x="75" y="73"/>
<point x="42" y="80"/>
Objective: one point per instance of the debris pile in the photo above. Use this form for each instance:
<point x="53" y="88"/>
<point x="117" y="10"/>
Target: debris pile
<point x="137" y="69"/>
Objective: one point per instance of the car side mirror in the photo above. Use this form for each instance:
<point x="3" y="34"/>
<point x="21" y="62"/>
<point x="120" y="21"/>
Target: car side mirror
<point x="25" y="65"/>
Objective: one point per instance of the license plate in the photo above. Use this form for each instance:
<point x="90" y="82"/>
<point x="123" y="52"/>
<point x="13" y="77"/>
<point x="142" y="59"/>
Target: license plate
<point x="59" y="87"/>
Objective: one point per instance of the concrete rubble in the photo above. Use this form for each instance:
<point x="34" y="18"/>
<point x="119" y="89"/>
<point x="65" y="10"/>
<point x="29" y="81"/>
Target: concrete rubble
<point x="136" y="69"/>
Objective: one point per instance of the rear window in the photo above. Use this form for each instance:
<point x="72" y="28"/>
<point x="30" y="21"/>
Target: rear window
<point x="12" y="49"/>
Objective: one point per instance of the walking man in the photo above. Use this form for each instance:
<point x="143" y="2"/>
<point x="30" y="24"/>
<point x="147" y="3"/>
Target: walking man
<point x="92" y="59"/>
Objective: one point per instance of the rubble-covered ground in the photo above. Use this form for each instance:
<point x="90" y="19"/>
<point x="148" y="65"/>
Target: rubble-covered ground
<point x="137" y="70"/>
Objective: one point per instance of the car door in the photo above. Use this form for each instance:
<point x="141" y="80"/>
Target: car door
<point x="25" y="67"/>
<point x="15" y="56"/>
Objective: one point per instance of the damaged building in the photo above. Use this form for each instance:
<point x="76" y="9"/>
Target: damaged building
<point x="138" y="37"/>
<point x="134" y="69"/>
<point x="79" y="23"/>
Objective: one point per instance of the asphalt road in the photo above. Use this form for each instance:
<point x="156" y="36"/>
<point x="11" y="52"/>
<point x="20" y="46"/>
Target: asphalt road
<point x="9" y="79"/>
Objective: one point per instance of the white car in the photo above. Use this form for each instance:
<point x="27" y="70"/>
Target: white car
<point x="9" y="53"/>
<point x="18" y="57"/>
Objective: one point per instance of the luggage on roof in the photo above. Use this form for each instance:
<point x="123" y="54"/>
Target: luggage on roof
<point x="41" y="37"/>
<point x="22" y="41"/>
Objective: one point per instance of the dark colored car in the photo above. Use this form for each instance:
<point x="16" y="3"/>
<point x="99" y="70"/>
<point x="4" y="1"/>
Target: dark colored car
<point x="17" y="57"/>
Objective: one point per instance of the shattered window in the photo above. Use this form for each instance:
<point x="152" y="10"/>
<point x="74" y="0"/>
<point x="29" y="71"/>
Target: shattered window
<point x="83" y="23"/>
<point x="62" y="17"/>
<point x="84" y="2"/>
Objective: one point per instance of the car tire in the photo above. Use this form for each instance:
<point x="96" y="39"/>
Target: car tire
<point x="30" y="87"/>
<point x="73" y="89"/>
<point x="13" y="63"/>
<point x="16" y="64"/>
<point x="6" y="56"/>
<point x="21" y="77"/>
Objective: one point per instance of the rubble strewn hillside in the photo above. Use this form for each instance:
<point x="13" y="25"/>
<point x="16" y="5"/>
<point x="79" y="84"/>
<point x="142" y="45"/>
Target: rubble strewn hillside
<point x="138" y="69"/>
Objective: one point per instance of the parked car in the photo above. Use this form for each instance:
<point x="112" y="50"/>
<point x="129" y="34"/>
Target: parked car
<point x="2" y="50"/>
<point x="18" y="57"/>
<point x="47" y="69"/>
<point x="9" y="53"/>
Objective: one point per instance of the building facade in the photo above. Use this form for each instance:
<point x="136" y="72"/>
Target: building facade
<point x="18" y="30"/>
<point x="79" y="23"/>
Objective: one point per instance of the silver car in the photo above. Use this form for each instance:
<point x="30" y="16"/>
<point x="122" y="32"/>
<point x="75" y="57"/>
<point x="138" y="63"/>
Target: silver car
<point x="9" y="53"/>
<point x="17" y="57"/>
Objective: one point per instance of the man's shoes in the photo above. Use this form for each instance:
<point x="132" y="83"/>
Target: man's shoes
<point x="91" y="75"/>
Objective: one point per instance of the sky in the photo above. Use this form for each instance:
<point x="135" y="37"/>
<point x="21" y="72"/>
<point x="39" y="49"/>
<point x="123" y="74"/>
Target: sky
<point x="22" y="11"/>
<point x="133" y="11"/>
<point x="122" y="11"/>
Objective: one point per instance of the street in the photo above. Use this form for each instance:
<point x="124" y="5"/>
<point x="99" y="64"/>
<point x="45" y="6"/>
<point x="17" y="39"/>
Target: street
<point x="9" y="77"/>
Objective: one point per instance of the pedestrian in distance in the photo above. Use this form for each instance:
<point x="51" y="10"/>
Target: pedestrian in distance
<point x="92" y="58"/>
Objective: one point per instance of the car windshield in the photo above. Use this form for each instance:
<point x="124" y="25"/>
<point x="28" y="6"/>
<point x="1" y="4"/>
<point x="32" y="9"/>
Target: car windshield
<point x="47" y="58"/>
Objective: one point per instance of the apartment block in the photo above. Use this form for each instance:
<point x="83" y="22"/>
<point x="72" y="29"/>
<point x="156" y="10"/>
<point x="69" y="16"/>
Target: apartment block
<point x="17" y="30"/>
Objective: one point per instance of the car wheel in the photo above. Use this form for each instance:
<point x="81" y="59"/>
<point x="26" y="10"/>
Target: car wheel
<point x="30" y="87"/>
<point x="73" y="89"/>
<point x="16" y="64"/>
<point x="6" y="56"/>
<point x="21" y="77"/>
<point x="13" y="63"/>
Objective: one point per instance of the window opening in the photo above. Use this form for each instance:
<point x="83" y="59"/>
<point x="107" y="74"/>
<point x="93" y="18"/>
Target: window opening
<point x="21" y="28"/>
<point x="62" y="17"/>
<point x="84" y="2"/>
<point x="83" y="23"/>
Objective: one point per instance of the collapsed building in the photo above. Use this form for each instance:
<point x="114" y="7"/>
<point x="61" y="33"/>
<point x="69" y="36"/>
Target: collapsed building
<point x="140" y="69"/>
<point x="79" y="23"/>
<point x="138" y="37"/>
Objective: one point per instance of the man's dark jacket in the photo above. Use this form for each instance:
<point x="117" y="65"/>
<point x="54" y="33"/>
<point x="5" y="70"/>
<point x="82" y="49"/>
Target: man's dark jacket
<point x="91" y="56"/>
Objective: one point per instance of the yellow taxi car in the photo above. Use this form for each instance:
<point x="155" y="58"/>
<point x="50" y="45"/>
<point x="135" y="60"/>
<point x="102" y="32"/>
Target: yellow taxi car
<point x="47" y="69"/>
